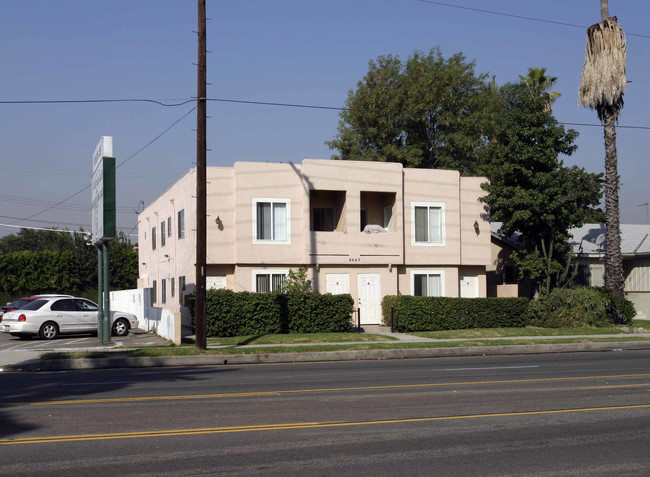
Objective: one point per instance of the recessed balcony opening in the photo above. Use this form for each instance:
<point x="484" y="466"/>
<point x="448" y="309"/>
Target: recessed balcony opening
<point x="326" y="210"/>
<point x="377" y="210"/>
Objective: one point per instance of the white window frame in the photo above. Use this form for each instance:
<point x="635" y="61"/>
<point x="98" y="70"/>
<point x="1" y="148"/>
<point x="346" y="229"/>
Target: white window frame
<point x="428" y="272"/>
<point x="266" y="271"/>
<point x="287" y="203"/>
<point x="443" y="221"/>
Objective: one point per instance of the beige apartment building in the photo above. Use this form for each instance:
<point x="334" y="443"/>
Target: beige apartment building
<point x="366" y="228"/>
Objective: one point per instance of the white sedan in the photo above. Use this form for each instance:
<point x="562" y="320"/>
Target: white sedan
<point x="50" y="316"/>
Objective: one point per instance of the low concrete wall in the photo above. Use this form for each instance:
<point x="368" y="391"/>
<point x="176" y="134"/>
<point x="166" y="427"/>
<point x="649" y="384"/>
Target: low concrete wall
<point x="162" y="321"/>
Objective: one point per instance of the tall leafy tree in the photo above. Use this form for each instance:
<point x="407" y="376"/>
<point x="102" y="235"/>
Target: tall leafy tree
<point x="602" y="87"/>
<point x="428" y="111"/>
<point x="531" y="191"/>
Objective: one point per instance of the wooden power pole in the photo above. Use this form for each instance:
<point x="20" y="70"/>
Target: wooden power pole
<point x="201" y="218"/>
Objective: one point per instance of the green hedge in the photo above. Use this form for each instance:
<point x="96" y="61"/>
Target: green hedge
<point x="316" y="313"/>
<point x="418" y="313"/>
<point x="231" y="313"/>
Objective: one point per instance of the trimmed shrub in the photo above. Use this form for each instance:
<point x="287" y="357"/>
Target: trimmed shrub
<point x="231" y="313"/>
<point x="417" y="313"/>
<point x="316" y="313"/>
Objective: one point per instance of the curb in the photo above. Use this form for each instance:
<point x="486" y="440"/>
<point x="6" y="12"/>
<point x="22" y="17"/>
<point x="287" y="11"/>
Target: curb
<point x="321" y="356"/>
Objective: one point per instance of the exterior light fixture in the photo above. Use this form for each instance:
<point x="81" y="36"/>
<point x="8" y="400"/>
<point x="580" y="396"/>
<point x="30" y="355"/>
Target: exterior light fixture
<point x="390" y="267"/>
<point x="476" y="227"/>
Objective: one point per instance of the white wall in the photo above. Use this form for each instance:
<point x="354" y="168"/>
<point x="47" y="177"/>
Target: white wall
<point x="150" y="317"/>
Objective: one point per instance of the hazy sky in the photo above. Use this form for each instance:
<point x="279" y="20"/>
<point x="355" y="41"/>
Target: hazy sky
<point x="281" y="51"/>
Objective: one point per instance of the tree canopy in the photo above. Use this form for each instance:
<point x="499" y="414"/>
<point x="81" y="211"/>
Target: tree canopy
<point x="427" y="112"/>
<point x="531" y="190"/>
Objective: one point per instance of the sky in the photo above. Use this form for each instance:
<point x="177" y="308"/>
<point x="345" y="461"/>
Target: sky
<point x="294" y="52"/>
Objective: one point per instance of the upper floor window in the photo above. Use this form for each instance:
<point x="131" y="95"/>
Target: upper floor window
<point x="271" y="221"/>
<point x="169" y="226"/>
<point x="162" y="233"/>
<point x="153" y="238"/>
<point x="154" y="298"/>
<point x="427" y="283"/>
<point x="427" y="223"/>
<point x="181" y="223"/>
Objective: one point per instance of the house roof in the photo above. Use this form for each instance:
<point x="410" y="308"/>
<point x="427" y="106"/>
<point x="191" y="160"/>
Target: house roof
<point x="590" y="239"/>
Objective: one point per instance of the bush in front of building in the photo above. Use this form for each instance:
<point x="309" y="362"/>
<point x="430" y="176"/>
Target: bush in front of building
<point x="231" y="313"/>
<point x="311" y="312"/>
<point x="420" y="313"/>
<point x="580" y="306"/>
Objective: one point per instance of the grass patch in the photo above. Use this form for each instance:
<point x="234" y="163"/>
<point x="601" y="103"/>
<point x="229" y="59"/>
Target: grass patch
<point x="298" y="338"/>
<point x="192" y="351"/>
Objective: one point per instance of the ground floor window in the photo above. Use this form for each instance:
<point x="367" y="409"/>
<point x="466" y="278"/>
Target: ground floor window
<point x="269" y="280"/>
<point x="427" y="283"/>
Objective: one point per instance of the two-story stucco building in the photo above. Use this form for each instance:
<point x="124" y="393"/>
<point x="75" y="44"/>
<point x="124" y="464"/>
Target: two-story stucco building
<point x="366" y="228"/>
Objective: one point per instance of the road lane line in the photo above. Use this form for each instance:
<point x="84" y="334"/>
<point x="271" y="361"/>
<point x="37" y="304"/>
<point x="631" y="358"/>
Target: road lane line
<point x="297" y="425"/>
<point x="305" y="391"/>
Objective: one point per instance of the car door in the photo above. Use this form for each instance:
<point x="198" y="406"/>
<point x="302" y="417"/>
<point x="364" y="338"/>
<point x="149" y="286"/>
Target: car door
<point x="65" y="314"/>
<point x="88" y="313"/>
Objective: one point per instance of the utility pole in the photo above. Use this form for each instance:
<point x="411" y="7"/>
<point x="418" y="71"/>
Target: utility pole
<point x="201" y="148"/>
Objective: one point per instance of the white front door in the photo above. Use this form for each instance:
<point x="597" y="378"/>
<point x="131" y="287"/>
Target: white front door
<point x="469" y="286"/>
<point x="337" y="283"/>
<point x="369" y="298"/>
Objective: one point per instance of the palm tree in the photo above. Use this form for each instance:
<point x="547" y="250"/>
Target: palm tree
<point x="602" y="87"/>
<point x="540" y="84"/>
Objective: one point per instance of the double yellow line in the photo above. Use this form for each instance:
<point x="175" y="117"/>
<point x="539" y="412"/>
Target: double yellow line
<point x="293" y="425"/>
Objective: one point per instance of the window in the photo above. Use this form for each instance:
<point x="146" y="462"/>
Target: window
<point x="271" y="222"/>
<point x="428" y="224"/>
<point x="162" y="233"/>
<point x="153" y="238"/>
<point x="153" y="292"/>
<point x="181" y="289"/>
<point x="85" y="305"/>
<point x="327" y="210"/>
<point x="269" y="280"/>
<point x="181" y="224"/>
<point x="163" y="291"/>
<point x="169" y="226"/>
<point x="323" y="219"/>
<point x="427" y="283"/>
<point x="171" y="286"/>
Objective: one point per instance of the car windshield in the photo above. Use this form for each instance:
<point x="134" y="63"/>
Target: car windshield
<point x="34" y="305"/>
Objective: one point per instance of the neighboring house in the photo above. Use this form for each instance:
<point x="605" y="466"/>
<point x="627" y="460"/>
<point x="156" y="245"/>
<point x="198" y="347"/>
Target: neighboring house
<point x="588" y="245"/>
<point x="366" y="228"/>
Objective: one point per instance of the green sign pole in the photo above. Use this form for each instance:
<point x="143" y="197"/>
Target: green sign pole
<point x="107" y="296"/>
<point x="100" y="298"/>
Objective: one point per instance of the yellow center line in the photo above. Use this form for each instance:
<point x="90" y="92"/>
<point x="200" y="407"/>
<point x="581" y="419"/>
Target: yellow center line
<point x="294" y="425"/>
<point x="303" y="391"/>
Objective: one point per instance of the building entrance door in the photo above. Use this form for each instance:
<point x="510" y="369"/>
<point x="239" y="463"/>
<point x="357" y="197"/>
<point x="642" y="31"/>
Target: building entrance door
<point x="369" y="289"/>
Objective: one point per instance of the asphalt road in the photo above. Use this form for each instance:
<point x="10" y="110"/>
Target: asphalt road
<point x="550" y="415"/>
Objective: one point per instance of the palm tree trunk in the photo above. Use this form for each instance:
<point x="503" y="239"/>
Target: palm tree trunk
<point x="613" y="258"/>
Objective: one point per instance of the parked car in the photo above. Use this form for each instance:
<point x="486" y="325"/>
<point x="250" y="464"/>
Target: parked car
<point x="20" y="302"/>
<point x="49" y="316"/>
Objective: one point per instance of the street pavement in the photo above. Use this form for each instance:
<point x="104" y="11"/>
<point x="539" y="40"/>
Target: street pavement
<point x="20" y="355"/>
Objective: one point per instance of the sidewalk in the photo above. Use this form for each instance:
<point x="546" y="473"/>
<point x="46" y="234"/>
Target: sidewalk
<point x="30" y="360"/>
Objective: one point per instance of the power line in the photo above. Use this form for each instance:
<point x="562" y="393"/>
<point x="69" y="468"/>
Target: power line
<point x="520" y="17"/>
<point x="82" y="101"/>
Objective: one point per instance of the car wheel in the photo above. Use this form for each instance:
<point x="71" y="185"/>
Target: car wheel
<point x="121" y="327"/>
<point x="49" y="330"/>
